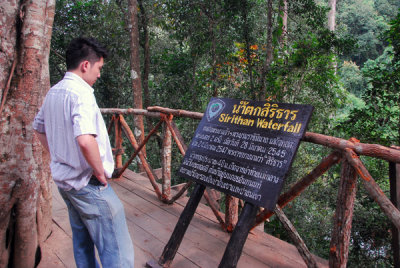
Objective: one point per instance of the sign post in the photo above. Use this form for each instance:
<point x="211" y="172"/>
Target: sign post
<point x="239" y="235"/>
<point x="244" y="149"/>
<point x="183" y="223"/>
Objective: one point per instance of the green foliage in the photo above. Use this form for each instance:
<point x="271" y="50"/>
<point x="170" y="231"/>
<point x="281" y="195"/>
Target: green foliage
<point x="388" y="9"/>
<point x="381" y="97"/>
<point x="393" y="35"/>
<point x="365" y="21"/>
<point x="351" y="78"/>
<point x="201" y="47"/>
<point x="375" y="121"/>
<point x="312" y="212"/>
<point x="381" y="103"/>
<point x="96" y="19"/>
<point x="371" y="234"/>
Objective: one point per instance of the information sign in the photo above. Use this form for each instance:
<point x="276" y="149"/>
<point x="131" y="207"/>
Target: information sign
<point x="245" y="148"/>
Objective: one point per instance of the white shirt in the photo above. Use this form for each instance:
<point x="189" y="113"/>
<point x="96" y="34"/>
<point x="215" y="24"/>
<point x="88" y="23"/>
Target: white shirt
<point x="68" y="111"/>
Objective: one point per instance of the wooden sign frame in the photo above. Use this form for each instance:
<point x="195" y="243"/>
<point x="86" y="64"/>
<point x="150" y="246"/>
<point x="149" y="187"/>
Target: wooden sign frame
<point x="245" y="149"/>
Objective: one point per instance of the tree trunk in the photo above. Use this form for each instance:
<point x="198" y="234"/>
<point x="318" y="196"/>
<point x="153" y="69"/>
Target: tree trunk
<point x="211" y="31"/>
<point x="195" y="99"/>
<point x="397" y="88"/>
<point x="246" y="37"/>
<point x="146" y="52"/>
<point x="283" y="13"/>
<point x="135" y="72"/>
<point x="269" y="54"/>
<point x="332" y="26"/>
<point x="332" y="15"/>
<point x="25" y="196"/>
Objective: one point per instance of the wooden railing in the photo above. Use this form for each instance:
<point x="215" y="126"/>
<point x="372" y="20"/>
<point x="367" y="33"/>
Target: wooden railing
<point x="346" y="152"/>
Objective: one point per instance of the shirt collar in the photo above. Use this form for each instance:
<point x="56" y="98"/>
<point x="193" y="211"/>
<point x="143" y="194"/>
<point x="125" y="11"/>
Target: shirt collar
<point x="77" y="78"/>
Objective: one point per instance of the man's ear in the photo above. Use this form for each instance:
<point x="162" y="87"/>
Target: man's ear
<point x="84" y="66"/>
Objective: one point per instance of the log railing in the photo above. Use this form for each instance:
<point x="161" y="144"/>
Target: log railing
<point x="346" y="152"/>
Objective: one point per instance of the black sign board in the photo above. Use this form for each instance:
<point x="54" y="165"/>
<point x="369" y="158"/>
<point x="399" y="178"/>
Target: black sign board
<point x="245" y="148"/>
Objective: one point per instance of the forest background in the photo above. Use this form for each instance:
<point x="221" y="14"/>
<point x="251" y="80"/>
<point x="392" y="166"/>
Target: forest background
<point x="281" y="51"/>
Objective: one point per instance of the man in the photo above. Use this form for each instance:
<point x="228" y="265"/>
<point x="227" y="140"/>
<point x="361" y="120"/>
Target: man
<point x="70" y="126"/>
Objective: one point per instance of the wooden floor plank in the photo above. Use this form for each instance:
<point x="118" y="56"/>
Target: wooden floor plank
<point x="151" y="223"/>
<point x="162" y="225"/>
<point x="147" y="247"/>
<point x="212" y="245"/>
<point x="276" y="248"/>
<point x="57" y="250"/>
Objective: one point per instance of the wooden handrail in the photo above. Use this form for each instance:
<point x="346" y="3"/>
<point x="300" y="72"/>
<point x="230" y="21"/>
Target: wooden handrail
<point x="347" y="151"/>
<point x="179" y="113"/>
<point x="129" y="111"/>
<point x="373" y="150"/>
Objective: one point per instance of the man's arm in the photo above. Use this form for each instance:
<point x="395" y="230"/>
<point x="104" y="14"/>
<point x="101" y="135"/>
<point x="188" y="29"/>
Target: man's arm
<point x="43" y="139"/>
<point x="90" y="150"/>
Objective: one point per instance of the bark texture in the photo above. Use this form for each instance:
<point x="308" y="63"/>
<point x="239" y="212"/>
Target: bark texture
<point x="25" y="197"/>
<point x="146" y="53"/>
<point x="269" y="55"/>
<point x="332" y="15"/>
<point x="340" y="238"/>
<point x="135" y="72"/>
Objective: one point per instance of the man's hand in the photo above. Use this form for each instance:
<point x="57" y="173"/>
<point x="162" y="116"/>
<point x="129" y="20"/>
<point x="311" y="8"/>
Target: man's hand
<point x="102" y="179"/>
<point x="90" y="150"/>
<point x="43" y="139"/>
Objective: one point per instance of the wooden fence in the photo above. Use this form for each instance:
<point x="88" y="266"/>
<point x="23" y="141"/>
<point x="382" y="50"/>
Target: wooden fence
<point x="346" y="152"/>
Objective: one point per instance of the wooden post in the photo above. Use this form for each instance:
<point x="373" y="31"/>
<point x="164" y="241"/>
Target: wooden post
<point x="118" y="142"/>
<point x="294" y="235"/>
<point x="231" y="212"/>
<point x="301" y="185"/>
<point x="373" y="188"/>
<point x="139" y="148"/>
<point x="394" y="177"/>
<point x="166" y="163"/>
<point x="214" y="207"/>
<point x="177" y="136"/>
<point x="110" y="124"/>
<point x="149" y="172"/>
<point x="239" y="236"/>
<point x="183" y="223"/>
<point x="179" y="194"/>
<point x="340" y="239"/>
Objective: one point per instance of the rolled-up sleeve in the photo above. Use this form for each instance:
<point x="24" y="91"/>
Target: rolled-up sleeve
<point x="38" y="122"/>
<point x="84" y="117"/>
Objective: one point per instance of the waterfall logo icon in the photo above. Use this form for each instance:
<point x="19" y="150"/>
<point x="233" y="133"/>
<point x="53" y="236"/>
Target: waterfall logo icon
<point x="214" y="109"/>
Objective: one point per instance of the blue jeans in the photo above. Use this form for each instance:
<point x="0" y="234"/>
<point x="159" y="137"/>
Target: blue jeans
<point x="97" y="218"/>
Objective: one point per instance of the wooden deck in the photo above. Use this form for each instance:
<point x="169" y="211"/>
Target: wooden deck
<point x="151" y="224"/>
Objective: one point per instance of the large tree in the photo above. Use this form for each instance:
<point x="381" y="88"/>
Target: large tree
<point x="135" y="69"/>
<point x="25" y="215"/>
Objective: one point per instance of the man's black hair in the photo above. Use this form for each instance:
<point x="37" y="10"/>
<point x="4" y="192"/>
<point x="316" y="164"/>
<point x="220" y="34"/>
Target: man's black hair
<point x="83" y="48"/>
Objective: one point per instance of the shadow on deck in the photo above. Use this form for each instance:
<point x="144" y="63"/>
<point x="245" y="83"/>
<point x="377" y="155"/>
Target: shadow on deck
<point x="151" y="224"/>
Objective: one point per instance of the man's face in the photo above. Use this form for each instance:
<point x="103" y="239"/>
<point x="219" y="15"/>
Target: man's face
<point x="93" y="71"/>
